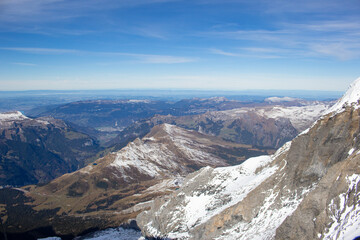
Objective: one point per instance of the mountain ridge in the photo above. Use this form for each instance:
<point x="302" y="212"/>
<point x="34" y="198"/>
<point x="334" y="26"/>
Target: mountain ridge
<point x="302" y="194"/>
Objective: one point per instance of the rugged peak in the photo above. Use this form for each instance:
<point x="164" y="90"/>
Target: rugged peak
<point x="350" y="98"/>
<point x="166" y="129"/>
<point x="10" y="116"/>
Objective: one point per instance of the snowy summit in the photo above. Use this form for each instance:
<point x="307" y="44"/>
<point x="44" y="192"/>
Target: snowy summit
<point x="10" y="116"/>
<point x="351" y="97"/>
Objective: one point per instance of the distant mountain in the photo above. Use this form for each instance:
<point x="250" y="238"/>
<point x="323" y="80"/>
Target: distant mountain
<point x="39" y="150"/>
<point x="267" y="126"/>
<point x="103" y="119"/>
<point x="117" y="114"/>
<point x="115" y="188"/>
<point x="309" y="189"/>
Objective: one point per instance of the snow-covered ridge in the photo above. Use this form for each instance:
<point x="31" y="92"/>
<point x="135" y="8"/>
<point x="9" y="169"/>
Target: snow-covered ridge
<point x="10" y="116"/>
<point x="154" y="158"/>
<point x="208" y="193"/>
<point x="350" y="98"/>
<point x="299" y="116"/>
<point x="280" y="99"/>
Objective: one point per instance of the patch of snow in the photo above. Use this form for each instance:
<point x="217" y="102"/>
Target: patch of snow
<point x="346" y="214"/>
<point x="42" y="121"/>
<point x="281" y="150"/>
<point x="10" y="116"/>
<point x="233" y="184"/>
<point x="138" y="101"/>
<point x="113" y="233"/>
<point x="351" y="151"/>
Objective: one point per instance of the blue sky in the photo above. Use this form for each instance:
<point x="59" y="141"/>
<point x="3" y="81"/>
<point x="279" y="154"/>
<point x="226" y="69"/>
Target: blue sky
<point x="199" y="44"/>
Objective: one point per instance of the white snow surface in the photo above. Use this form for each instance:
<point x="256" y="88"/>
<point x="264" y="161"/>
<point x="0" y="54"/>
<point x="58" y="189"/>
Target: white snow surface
<point x="11" y="116"/>
<point x="300" y="117"/>
<point x="225" y="187"/>
<point x="346" y="214"/>
<point x="350" y="98"/>
<point x="113" y="233"/>
<point x="232" y="185"/>
<point x="154" y="158"/>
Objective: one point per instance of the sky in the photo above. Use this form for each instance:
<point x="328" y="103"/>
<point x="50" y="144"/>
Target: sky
<point x="174" y="44"/>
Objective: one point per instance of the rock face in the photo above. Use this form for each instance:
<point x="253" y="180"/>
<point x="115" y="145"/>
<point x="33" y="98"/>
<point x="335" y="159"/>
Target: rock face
<point x="41" y="149"/>
<point x="115" y="188"/>
<point x="309" y="189"/>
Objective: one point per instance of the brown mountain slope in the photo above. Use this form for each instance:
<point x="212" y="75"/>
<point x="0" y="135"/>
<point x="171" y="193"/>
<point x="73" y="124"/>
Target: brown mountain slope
<point x="118" y="186"/>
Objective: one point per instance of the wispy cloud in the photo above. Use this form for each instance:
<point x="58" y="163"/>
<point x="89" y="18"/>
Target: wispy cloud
<point x="24" y="64"/>
<point x="221" y="52"/>
<point x="245" y="53"/>
<point x="142" y="58"/>
<point x="43" y="50"/>
<point x="337" y="39"/>
<point x="56" y="10"/>
<point x="337" y="50"/>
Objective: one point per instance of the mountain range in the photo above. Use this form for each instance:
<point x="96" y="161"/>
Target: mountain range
<point x="179" y="183"/>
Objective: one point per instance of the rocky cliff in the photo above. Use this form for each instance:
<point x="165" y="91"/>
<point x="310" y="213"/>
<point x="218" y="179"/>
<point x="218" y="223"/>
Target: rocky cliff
<point x="307" y="190"/>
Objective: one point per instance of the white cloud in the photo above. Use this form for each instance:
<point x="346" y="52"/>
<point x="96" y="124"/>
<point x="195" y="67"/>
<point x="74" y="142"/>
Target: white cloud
<point x="262" y="53"/>
<point x="221" y="52"/>
<point x="142" y="58"/>
<point x="60" y="10"/>
<point x="42" y="50"/>
<point x="336" y="39"/>
<point x="337" y="50"/>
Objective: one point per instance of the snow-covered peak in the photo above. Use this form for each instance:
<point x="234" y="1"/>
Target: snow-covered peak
<point x="280" y="99"/>
<point x="351" y="97"/>
<point x="10" y="116"/>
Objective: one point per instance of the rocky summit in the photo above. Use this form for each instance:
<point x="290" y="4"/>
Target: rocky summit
<point x="309" y="189"/>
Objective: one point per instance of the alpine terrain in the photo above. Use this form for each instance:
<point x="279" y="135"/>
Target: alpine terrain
<point x="308" y="189"/>
<point x="41" y="149"/>
<point x="114" y="189"/>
